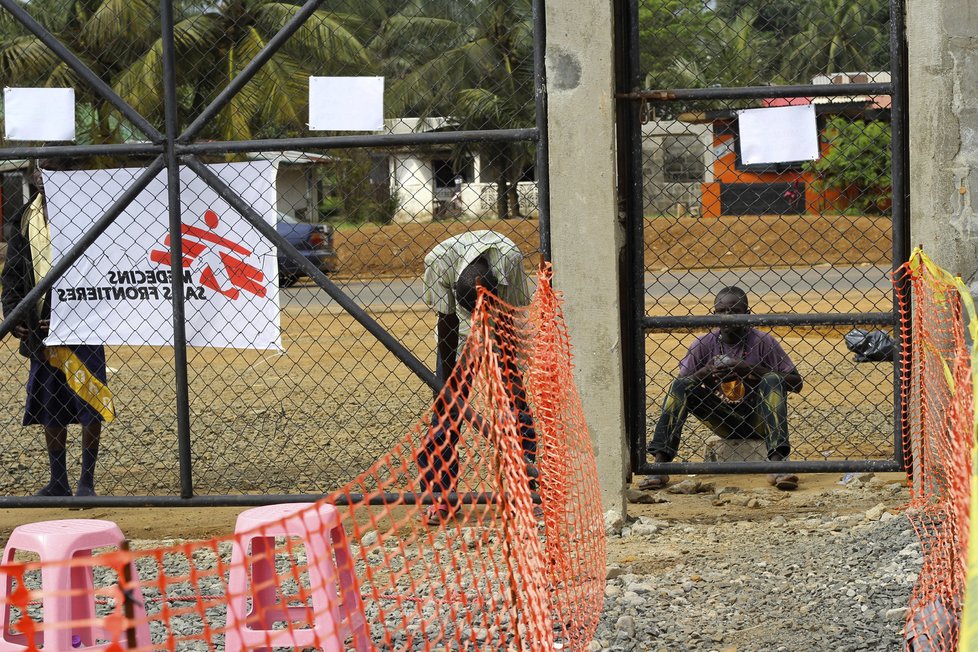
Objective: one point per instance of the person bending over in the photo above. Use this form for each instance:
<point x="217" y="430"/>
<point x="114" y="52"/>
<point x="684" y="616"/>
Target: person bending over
<point x="453" y="272"/>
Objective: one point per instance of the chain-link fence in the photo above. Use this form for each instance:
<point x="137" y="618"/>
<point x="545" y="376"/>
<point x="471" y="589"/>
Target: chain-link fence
<point x="766" y="154"/>
<point x="301" y="349"/>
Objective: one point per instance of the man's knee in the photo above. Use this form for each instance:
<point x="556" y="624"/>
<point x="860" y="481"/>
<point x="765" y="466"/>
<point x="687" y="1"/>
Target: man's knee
<point x="771" y="382"/>
<point x="682" y="385"/>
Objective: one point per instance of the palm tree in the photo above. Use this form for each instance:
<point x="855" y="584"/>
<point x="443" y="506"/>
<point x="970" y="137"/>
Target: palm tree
<point x="728" y="52"/>
<point x="215" y="42"/>
<point x="106" y="35"/>
<point x="484" y="82"/>
<point x="838" y="35"/>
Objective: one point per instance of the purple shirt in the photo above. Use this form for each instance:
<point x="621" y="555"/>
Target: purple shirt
<point x="758" y="348"/>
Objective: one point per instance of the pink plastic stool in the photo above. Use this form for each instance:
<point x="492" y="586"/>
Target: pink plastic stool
<point x="337" y="610"/>
<point x="68" y="593"/>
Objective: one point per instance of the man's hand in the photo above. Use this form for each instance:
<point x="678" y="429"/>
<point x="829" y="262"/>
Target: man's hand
<point x="729" y="367"/>
<point x="20" y="331"/>
<point x="708" y="373"/>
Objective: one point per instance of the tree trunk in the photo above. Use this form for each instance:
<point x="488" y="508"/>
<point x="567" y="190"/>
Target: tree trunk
<point x="512" y="182"/>
<point x="508" y="180"/>
<point x="502" y="198"/>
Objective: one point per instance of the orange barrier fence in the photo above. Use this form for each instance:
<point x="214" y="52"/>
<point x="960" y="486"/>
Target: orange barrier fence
<point x="481" y="530"/>
<point x="939" y="420"/>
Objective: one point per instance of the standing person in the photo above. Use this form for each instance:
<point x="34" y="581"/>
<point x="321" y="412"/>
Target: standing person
<point x="66" y="384"/>
<point x="735" y="380"/>
<point x="453" y="272"/>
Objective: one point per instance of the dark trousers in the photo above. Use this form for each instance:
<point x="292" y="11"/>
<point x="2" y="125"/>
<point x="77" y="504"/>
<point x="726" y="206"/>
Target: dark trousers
<point x="764" y="415"/>
<point x="438" y="457"/>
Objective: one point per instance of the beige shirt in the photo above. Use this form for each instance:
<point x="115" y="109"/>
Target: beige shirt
<point x="446" y="261"/>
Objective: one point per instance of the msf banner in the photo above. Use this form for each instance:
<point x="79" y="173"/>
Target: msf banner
<point x="119" y="291"/>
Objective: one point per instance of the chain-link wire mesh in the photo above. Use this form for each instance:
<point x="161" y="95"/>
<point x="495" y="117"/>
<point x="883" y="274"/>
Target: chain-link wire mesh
<point x="509" y="554"/>
<point x="735" y="43"/>
<point x="310" y="416"/>
<point x="809" y="241"/>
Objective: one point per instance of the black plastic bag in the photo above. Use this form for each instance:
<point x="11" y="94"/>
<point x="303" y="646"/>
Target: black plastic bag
<point x="870" y="346"/>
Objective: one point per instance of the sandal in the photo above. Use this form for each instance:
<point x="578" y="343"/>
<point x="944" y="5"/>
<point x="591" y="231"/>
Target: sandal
<point x="653" y="482"/>
<point x="438" y="513"/>
<point x="783" y="481"/>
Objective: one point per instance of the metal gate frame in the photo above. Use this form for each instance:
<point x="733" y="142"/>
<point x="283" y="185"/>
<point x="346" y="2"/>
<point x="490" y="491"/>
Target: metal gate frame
<point x="173" y="149"/>
<point x="631" y="102"/>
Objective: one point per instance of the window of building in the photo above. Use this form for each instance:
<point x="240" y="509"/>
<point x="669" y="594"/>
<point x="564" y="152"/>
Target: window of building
<point x="683" y="159"/>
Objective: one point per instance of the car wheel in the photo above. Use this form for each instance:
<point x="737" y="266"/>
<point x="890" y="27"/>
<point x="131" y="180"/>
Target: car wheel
<point x="287" y="280"/>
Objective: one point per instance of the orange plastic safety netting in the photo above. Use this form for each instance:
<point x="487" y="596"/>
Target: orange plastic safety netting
<point x="939" y="420"/>
<point x="481" y="530"/>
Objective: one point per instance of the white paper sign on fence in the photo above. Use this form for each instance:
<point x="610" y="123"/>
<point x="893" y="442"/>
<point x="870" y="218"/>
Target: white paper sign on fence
<point x="346" y="103"/>
<point x="119" y="291"/>
<point x="39" y="113"/>
<point x="782" y="134"/>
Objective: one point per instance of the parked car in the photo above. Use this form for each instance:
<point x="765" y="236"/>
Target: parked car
<point x="314" y="241"/>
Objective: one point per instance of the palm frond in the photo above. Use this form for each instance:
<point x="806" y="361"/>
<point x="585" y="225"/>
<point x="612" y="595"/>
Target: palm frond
<point x="276" y="93"/>
<point x="26" y="61"/>
<point x="364" y="8"/>
<point x="361" y="26"/>
<point x="321" y="45"/>
<point x="121" y="29"/>
<point x="431" y="87"/>
<point x="141" y="83"/>
<point x="10" y="28"/>
<point x="478" y="108"/>
<point x="417" y="38"/>
<point x="64" y="77"/>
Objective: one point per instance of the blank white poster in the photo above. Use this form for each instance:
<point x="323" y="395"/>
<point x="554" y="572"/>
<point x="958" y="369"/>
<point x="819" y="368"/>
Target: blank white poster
<point x="39" y="113"/>
<point x="346" y="103"/>
<point x="780" y="134"/>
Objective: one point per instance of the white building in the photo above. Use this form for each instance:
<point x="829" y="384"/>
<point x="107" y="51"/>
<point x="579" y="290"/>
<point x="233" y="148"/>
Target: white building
<point x="424" y="182"/>
<point x="297" y="182"/>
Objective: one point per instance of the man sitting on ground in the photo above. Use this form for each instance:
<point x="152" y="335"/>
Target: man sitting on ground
<point x="735" y="380"/>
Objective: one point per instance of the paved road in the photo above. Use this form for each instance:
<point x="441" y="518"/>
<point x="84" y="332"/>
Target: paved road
<point x="406" y="293"/>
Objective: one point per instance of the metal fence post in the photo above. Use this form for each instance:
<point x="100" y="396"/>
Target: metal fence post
<point x="176" y="254"/>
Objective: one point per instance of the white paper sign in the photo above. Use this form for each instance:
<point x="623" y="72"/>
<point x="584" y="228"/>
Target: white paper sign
<point x="346" y="103"/>
<point x="39" y="113"/>
<point x="780" y="134"/>
<point x="119" y="291"/>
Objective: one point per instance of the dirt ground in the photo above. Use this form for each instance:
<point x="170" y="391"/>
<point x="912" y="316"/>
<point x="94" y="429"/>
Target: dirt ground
<point x="811" y="497"/>
<point x="671" y="243"/>
<point x="311" y="418"/>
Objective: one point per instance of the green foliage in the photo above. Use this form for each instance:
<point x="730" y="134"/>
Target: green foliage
<point x="357" y="198"/>
<point x="691" y="44"/>
<point x="330" y="208"/>
<point x="777" y="17"/>
<point x="839" y="35"/>
<point x="686" y="44"/>
<point x="858" y="161"/>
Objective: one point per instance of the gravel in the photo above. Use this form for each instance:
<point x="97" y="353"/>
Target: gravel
<point x="815" y="582"/>
<point x="826" y="577"/>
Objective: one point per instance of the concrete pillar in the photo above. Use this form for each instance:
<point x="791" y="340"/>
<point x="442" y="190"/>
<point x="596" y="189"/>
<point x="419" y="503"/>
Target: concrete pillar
<point x="586" y="234"/>
<point x="943" y="104"/>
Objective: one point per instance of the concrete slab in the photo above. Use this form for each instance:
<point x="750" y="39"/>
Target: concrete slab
<point x="718" y="449"/>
